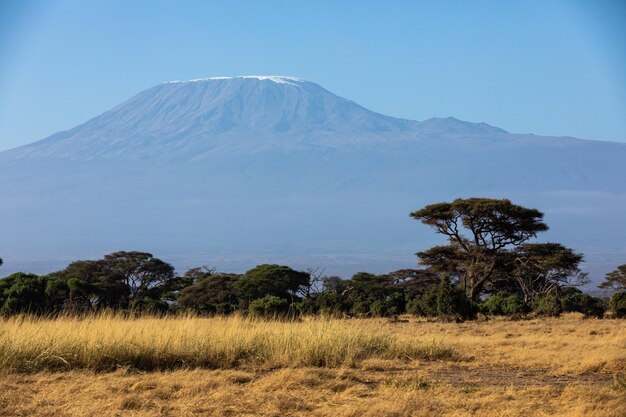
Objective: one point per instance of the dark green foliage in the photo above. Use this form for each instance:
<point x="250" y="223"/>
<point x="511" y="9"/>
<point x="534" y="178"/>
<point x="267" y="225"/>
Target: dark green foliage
<point x="368" y="287"/>
<point x="385" y="295"/>
<point x="617" y="304"/>
<point x="23" y="293"/>
<point x="427" y="305"/>
<point x="414" y="307"/>
<point x="331" y="303"/>
<point x="574" y="300"/>
<point x="308" y="306"/>
<point x="273" y="280"/>
<point x="394" y="304"/>
<point x="212" y="294"/>
<point x="270" y="307"/>
<point x="447" y="301"/>
<point x="503" y="305"/>
<point x="143" y="275"/>
<point x="333" y="285"/>
<point x="121" y="280"/>
<point x="452" y="302"/>
<point x="379" y="309"/>
<point x="148" y="305"/>
<point x="412" y="283"/>
<point x="548" y="305"/>
<point x="361" y="308"/>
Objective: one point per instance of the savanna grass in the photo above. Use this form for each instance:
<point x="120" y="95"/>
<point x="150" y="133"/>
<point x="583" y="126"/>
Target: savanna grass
<point x="107" y="342"/>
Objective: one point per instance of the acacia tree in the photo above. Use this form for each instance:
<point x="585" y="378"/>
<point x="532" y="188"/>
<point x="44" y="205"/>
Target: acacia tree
<point x="273" y="280"/>
<point x="615" y="280"/>
<point x="543" y="268"/>
<point x="120" y="280"/>
<point x="478" y="231"/>
<point x="142" y="274"/>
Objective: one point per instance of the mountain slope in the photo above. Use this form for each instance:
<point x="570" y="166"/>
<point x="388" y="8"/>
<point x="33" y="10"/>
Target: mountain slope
<point x="236" y="171"/>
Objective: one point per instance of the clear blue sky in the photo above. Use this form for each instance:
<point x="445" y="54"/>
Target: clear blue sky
<point x="547" y="67"/>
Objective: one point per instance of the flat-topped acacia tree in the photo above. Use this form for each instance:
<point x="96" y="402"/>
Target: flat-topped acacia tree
<point x="479" y="230"/>
<point x="614" y="280"/>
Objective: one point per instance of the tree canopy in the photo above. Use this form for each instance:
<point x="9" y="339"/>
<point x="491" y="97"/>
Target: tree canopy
<point x="478" y="230"/>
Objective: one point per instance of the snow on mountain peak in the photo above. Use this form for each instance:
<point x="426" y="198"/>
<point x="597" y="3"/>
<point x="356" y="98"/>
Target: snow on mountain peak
<point x="279" y="79"/>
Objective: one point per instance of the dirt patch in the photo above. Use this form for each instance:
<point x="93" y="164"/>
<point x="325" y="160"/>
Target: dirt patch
<point x="461" y="375"/>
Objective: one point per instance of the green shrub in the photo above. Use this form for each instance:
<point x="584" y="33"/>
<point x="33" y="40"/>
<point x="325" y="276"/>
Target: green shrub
<point x="513" y="304"/>
<point x="548" y="305"/>
<point x="331" y="303"/>
<point x="414" y="307"/>
<point x="500" y="305"/>
<point x="492" y="305"/>
<point x="225" y="308"/>
<point x="617" y="303"/>
<point x="445" y="301"/>
<point x="577" y="301"/>
<point x="269" y="307"/>
<point x="361" y="308"/>
<point x="378" y="309"/>
<point x="428" y="302"/>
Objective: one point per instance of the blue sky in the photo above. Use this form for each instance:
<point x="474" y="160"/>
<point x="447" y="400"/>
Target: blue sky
<point x="547" y="67"/>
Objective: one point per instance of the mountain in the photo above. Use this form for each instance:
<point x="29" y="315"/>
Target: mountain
<point x="235" y="171"/>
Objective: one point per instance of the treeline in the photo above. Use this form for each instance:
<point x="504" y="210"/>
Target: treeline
<point x="486" y="267"/>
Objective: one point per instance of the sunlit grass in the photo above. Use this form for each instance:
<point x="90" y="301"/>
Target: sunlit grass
<point x="107" y="342"/>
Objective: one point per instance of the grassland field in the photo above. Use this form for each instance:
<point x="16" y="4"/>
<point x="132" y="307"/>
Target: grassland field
<point x="109" y="365"/>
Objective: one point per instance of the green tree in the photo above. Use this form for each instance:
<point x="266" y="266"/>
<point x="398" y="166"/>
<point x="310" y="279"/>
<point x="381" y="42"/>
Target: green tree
<point x="478" y="230"/>
<point x="119" y="280"/>
<point x="23" y="293"/>
<point x="212" y="294"/>
<point x="615" y="280"/>
<point x="142" y="274"/>
<point x="273" y="280"/>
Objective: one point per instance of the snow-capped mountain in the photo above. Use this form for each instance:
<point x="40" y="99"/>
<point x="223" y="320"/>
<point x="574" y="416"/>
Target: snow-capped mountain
<point x="234" y="171"/>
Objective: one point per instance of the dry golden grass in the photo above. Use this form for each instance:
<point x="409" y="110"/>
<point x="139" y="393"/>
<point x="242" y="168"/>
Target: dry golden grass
<point x="565" y="367"/>
<point x="107" y="342"/>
